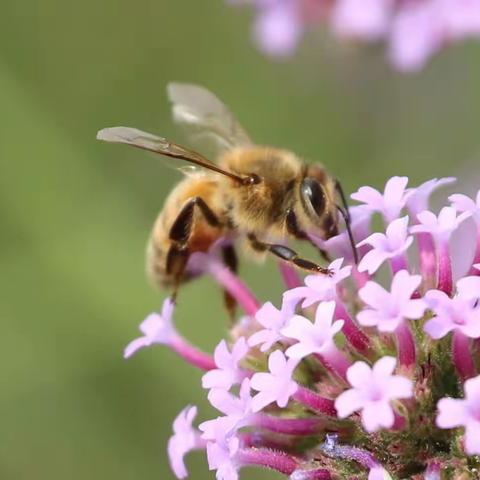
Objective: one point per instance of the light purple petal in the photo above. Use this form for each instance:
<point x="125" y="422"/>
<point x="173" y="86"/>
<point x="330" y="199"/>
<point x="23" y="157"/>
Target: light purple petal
<point x="348" y="402"/>
<point x="384" y="367"/>
<point x="365" y="19"/>
<point x="451" y="413"/>
<point x="472" y="437"/>
<point x="377" y="415"/>
<point x="372" y="261"/>
<point x="136" y="345"/>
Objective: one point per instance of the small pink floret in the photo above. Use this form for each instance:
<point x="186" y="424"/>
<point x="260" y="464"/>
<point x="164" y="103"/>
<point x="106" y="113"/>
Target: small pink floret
<point x="229" y="371"/>
<point x="394" y="243"/>
<point x="465" y="413"/>
<point x="387" y="310"/>
<point x="185" y="438"/>
<point x="156" y="329"/>
<point x="373" y="390"/>
<point x="277" y="385"/>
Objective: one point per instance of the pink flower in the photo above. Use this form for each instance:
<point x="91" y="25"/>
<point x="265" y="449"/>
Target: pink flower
<point x="237" y="410"/>
<point x="462" y="203"/>
<point x="440" y="227"/>
<point x="389" y="309"/>
<point x="221" y="454"/>
<point x="389" y="203"/>
<point x="465" y="413"/>
<point x="394" y="243"/>
<point x="418" y="198"/>
<point x="273" y="320"/>
<point x="156" y="329"/>
<point x="313" y="337"/>
<point x="229" y="371"/>
<point x="319" y="287"/>
<point x="372" y="393"/>
<point x="451" y="314"/>
<point x="276" y="386"/>
<point x="185" y="438"/>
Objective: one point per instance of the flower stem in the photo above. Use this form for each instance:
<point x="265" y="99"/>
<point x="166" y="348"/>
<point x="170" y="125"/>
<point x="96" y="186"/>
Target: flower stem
<point x="275" y="460"/>
<point x="405" y="345"/>
<point x="288" y="426"/>
<point x="191" y="354"/>
<point x="290" y="275"/>
<point x="231" y="283"/>
<point x="315" y="402"/>
<point x="336" y="361"/>
<point x="398" y="263"/>
<point x="351" y="331"/>
<point x="445" y="282"/>
<point x="428" y="260"/>
<point x="462" y="357"/>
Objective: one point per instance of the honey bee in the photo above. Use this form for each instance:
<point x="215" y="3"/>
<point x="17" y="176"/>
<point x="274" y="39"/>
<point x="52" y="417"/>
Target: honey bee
<point x="260" y="195"/>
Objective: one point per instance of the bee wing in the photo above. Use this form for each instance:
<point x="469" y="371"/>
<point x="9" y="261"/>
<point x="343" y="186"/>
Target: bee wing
<point x="153" y="143"/>
<point x="205" y="116"/>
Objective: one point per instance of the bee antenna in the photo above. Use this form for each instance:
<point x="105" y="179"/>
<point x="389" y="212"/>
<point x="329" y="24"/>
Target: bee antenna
<point x="348" y="220"/>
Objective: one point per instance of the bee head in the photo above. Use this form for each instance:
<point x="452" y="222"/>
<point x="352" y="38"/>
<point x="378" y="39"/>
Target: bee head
<point x="318" y="205"/>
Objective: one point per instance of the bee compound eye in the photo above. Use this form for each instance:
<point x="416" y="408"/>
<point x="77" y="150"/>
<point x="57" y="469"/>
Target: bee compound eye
<point x="313" y="196"/>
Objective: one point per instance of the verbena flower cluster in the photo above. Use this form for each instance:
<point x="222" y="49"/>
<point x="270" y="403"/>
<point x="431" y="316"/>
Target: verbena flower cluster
<point x="412" y="29"/>
<point x="348" y="377"/>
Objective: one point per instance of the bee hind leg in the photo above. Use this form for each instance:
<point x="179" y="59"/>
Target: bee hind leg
<point x="287" y="254"/>
<point x="180" y="234"/>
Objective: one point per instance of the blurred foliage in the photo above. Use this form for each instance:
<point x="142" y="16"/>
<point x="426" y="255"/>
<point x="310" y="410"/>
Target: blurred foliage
<point x="75" y="213"/>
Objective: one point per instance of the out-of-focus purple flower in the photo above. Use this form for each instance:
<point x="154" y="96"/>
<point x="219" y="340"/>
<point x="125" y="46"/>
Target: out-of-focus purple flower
<point x="313" y="337"/>
<point x="387" y="310"/>
<point x="156" y="329"/>
<point x="276" y="386"/>
<point x="391" y="245"/>
<point x="319" y="287"/>
<point x="229" y="371"/>
<point x="389" y="203"/>
<point x="440" y="227"/>
<point x="185" y="438"/>
<point x="412" y="30"/>
<point x="273" y="320"/>
<point x="278" y="29"/>
<point x="361" y="19"/>
<point x="418" y="198"/>
<point x="465" y="413"/>
<point x="372" y="393"/>
<point x="452" y="314"/>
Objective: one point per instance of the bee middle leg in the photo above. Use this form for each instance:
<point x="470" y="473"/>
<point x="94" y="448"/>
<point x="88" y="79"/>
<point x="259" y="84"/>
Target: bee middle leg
<point x="231" y="261"/>
<point x="180" y="234"/>
<point x="286" y="254"/>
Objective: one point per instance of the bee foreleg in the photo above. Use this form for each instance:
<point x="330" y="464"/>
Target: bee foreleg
<point x="287" y="254"/>
<point x="180" y="233"/>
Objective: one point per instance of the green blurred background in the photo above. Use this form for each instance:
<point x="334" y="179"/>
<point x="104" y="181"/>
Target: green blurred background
<point x="75" y="213"/>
